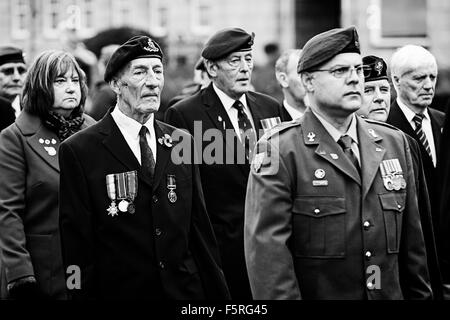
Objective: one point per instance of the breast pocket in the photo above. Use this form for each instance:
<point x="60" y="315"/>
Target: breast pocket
<point x="319" y="227"/>
<point x="393" y="204"/>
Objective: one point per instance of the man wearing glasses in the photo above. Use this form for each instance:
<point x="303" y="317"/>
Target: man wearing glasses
<point x="12" y="75"/>
<point x="331" y="210"/>
<point x="228" y="115"/>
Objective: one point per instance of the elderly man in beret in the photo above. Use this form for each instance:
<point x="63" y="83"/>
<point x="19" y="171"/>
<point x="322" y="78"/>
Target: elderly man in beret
<point x="229" y="110"/>
<point x="133" y="218"/>
<point x="12" y="75"/>
<point x="331" y="209"/>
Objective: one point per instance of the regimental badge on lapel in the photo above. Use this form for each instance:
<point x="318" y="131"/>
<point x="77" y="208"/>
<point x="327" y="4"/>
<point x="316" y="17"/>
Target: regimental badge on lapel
<point x="392" y="174"/>
<point x="171" y="185"/>
<point x="122" y="187"/>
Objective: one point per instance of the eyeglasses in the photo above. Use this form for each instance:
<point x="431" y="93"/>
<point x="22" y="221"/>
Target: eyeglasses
<point x="9" y="71"/>
<point x="235" y="62"/>
<point x="344" y="71"/>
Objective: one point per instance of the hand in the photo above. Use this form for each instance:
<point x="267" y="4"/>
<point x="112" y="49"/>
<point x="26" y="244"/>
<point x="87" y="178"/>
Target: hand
<point x="25" y="289"/>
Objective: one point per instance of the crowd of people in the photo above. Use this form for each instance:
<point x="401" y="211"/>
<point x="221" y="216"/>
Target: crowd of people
<point x="329" y="189"/>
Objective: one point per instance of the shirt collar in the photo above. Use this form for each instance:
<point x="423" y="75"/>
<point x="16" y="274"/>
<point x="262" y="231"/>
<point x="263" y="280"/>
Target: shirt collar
<point x="228" y="102"/>
<point x="293" y="112"/>
<point x="409" y="114"/>
<point x="334" y="133"/>
<point x="129" y="125"/>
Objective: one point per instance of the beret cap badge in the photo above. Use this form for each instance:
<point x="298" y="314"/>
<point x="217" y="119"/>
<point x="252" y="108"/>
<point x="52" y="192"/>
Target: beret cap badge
<point x="379" y="67"/>
<point x="151" y="46"/>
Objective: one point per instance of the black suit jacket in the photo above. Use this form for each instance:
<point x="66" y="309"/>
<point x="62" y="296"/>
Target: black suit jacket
<point x="398" y="119"/>
<point x="224" y="183"/>
<point x="164" y="250"/>
<point x="7" y="115"/>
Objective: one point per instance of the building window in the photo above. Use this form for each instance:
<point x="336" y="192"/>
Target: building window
<point x="201" y="16"/>
<point x="159" y="18"/>
<point x="52" y="18"/>
<point x="19" y="18"/>
<point x="122" y="13"/>
<point x="388" y="30"/>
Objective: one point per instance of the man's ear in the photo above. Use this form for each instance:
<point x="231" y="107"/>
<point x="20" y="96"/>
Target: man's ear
<point x="114" y="84"/>
<point x="308" y="81"/>
<point x="282" y="79"/>
<point x="211" y="68"/>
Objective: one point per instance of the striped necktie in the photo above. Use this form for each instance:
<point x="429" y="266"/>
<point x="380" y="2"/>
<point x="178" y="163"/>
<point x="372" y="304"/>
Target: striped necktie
<point x="418" y="118"/>
<point x="247" y="133"/>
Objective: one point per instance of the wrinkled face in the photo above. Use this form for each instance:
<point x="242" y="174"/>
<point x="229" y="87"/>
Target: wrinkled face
<point x="67" y="92"/>
<point x="12" y="77"/>
<point x="141" y="85"/>
<point x="232" y="75"/>
<point x="376" y="100"/>
<point x="416" y="86"/>
<point x="295" y="85"/>
<point x="337" y="89"/>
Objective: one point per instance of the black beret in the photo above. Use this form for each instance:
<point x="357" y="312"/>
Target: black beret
<point x="134" y="48"/>
<point x="11" y="54"/>
<point x="227" y="41"/>
<point x="375" y="68"/>
<point x="324" y="46"/>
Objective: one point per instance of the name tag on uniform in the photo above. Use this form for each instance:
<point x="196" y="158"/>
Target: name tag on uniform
<point x="320" y="183"/>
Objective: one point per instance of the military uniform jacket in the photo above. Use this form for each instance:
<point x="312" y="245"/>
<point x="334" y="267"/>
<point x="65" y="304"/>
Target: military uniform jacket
<point x="29" y="184"/>
<point x="165" y="250"/>
<point x="307" y="238"/>
<point x="225" y="182"/>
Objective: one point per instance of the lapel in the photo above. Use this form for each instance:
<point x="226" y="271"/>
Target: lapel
<point x="115" y="143"/>
<point x="436" y="127"/>
<point x="326" y="146"/>
<point x="162" y="153"/>
<point x="255" y="110"/>
<point x="371" y="153"/>
<point x="45" y="143"/>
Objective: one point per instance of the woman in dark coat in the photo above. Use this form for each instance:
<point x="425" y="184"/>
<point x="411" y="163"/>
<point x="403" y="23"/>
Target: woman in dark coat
<point x="53" y="102"/>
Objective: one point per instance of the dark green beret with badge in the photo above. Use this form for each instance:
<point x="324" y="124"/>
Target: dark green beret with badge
<point x="375" y="68"/>
<point x="227" y="41"/>
<point x="324" y="46"/>
<point x="134" y="48"/>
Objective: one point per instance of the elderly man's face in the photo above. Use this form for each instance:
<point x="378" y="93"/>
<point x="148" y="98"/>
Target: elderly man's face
<point x="376" y="100"/>
<point x="12" y="77"/>
<point x="338" y="90"/>
<point x="416" y="86"/>
<point x="295" y="85"/>
<point x="232" y="75"/>
<point x="141" y="85"/>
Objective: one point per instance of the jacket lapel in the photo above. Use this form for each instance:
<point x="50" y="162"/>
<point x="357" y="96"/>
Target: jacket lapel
<point x="162" y="155"/>
<point x="46" y="143"/>
<point x="371" y="154"/>
<point x="315" y="134"/>
<point x="117" y="145"/>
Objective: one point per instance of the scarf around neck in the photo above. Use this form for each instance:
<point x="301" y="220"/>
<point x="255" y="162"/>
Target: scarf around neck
<point x="63" y="127"/>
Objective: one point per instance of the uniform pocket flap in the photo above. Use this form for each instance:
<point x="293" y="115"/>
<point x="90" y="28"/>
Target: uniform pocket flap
<point x="319" y="206"/>
<point x="393" y="201"/>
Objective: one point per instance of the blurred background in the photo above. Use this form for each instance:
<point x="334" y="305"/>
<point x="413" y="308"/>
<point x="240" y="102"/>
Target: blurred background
<point x="182" y="26"/>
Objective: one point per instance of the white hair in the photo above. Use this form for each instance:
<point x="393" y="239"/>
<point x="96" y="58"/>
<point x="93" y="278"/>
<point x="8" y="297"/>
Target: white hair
<point x="408" y="58"/>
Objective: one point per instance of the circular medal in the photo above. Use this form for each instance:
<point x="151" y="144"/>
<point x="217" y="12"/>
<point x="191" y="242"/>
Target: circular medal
<point x="319" y="173"/>
<point x="388" y="184"/>
<point x="403" y="183"/>
<point x="172" y="196"/>
<point x="131" y="208"/>
<point x="123" y="206"/>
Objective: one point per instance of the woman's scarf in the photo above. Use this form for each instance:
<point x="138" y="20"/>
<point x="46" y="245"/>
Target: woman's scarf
<point x="63" y="127"/>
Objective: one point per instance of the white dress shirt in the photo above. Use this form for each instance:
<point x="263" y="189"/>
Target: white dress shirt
<point x="227" y="103"/>
<point x="426" y="126"/>
<point x="293" y="112"/>
<point x="336" y="135"/>
<point x="16" y="106"/>
<point x="130" y="130"/>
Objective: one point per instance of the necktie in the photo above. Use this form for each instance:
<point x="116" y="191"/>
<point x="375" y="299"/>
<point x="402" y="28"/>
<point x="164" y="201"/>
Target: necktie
<point x="418" y="118"/>
<point x="248" y="137"/>
<point x="346" y="144"/>
<point x="147" y="159"/>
